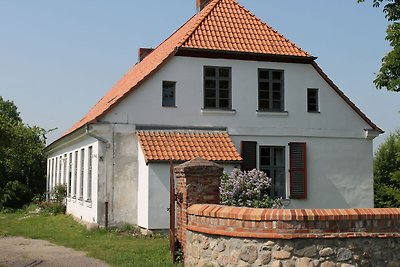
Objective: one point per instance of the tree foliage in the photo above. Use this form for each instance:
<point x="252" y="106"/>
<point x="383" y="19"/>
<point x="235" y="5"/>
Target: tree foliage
<point x="22" y="162"/>
<point x="389" y="74"/>
<point x="387" y="172"/>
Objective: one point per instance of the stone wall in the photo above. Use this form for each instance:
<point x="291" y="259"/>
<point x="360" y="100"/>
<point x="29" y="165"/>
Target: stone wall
<point x="214" y="250"/>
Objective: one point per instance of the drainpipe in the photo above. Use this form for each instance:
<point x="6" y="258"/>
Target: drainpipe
<point x="107" y="146"/>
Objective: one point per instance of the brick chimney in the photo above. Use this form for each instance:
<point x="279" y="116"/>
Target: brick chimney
<point x="200" y="4"/>
<point x="143" y="52"/>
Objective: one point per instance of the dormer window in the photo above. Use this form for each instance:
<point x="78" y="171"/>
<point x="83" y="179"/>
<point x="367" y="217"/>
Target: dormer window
<point x="217" y="88"/>
<point x="270" y="90"/>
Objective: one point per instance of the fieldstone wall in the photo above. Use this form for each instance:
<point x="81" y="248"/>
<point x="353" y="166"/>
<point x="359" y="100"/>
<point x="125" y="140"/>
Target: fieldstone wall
<point x="214" y="250"/>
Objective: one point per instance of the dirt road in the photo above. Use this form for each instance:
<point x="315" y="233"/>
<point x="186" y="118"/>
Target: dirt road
<point x="22" y="252"/>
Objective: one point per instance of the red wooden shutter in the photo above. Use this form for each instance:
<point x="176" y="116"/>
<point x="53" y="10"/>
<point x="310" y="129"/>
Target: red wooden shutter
<point x="298" y="170"/>
<point x="249" y="155"/>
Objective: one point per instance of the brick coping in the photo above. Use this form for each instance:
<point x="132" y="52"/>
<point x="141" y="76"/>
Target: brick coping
<point x="256" y="214"/>
<point x="276" y="235"/>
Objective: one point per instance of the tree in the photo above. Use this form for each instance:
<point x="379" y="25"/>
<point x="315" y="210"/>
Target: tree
<point x="22" y="162"/>
<point x="389" y="74"/>
<point x="387" y="172"/>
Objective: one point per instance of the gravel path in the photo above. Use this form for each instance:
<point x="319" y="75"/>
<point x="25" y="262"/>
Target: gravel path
<point x="22" y="252"/>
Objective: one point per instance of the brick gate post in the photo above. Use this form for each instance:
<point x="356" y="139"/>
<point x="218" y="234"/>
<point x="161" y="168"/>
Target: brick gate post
<point x="197" y="182"/>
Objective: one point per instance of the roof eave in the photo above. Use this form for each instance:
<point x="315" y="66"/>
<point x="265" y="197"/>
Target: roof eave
<point x="227" y="54"/>
<point x="67" y="138"/>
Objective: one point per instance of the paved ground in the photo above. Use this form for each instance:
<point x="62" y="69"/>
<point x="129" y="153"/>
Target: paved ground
<point x="22" y="252"/>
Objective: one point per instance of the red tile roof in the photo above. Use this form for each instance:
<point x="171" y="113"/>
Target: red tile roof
<point x="231" y="27"/>
<point x="186" y="145"/>
<point x="212" y="28"/>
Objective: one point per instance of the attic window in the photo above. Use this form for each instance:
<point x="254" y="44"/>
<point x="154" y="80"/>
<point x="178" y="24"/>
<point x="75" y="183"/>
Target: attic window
<point x="312" y="100"/>
<point x="168" y="94"/>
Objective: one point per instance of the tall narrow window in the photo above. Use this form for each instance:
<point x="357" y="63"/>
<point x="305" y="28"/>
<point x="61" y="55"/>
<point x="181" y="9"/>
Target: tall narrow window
<point x="272" y="161"/>
<point x="312" y="100"/>
<point x="65" y="169"/>
<point x="217" y="87"/>
<point x="60" y="170"/>
<point x="270" y="90"/>
<point x="52" y="174"/>
<point x="90" y="174"/>
<point x="69" y="174"/>
<point x="82" y="173"/>
<point x="75" y="174"/>
<point x="56" y="172"/>
<point x="168" y="94"/>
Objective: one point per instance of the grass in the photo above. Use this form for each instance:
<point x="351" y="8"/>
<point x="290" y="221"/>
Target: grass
<point x="110" y="247"/>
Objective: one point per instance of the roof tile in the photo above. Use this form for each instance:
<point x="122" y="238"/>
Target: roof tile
<point x="210" y="145"/>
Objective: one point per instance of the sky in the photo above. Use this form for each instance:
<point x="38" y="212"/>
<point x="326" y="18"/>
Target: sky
<point x="58" y="58"/>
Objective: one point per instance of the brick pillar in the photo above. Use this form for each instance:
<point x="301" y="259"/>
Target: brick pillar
<point x="197" y="182"/>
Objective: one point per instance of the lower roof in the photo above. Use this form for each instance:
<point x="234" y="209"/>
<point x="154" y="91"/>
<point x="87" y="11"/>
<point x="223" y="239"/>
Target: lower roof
<point x="184" y="145"/>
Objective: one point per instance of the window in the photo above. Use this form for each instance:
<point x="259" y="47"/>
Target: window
<point x="56" y="172"/>
<point x="168" y="94"/>
<point x="312" y="100"/>
<point x="75" y="174"/>
<point x="69" y="174"/>
<point x="217" y="87"/>
<point x="60" y="170"/>
<point x="82" y="173"/>
<point x="65" y="169"/>
<point x="272" y="162"/>
<point x="270" y="90"/>
<point x="89" y="178"/>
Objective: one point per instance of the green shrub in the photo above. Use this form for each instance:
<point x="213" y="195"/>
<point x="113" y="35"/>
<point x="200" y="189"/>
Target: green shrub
<point x="14" y="195"/>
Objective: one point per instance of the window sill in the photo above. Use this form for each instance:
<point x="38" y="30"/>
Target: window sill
<point x="261" y="113"/>
<point x="170" y="106"/>
<point x="314" y="112"/>
<point x="223" y="112"/>
<point x="88" y="203"/>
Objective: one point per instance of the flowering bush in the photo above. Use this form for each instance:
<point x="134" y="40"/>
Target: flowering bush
<point x="247" y="189"/>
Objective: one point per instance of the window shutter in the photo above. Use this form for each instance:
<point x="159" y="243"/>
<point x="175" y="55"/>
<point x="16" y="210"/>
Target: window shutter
<point x="298" y="170"/>
<point x="249" y="155"/>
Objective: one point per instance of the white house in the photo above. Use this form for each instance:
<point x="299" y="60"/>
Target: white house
<point x="229" y="88"/>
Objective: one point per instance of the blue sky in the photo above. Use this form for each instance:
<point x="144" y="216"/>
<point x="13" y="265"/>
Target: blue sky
<point x="58" y="58"/>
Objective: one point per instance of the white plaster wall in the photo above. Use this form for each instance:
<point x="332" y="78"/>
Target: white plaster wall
<point x="336" y="118"/>
<point x="339" y="171"/>
<point x="143" y="191"/>
<point x="84" y="210"/>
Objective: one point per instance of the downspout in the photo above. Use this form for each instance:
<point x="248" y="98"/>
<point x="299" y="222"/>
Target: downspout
<point x="107" y="146"/>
